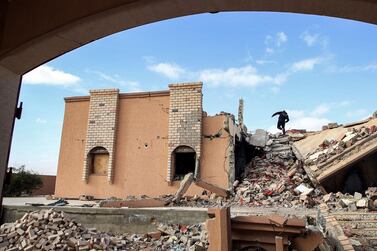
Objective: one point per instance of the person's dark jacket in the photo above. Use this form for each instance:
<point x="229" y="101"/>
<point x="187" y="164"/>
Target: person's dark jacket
<point x="283" y="116"/>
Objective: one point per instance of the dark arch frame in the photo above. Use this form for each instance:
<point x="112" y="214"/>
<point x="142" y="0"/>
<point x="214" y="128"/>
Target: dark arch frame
<point x="183" y="161"/>
<point x="35" y="32"/>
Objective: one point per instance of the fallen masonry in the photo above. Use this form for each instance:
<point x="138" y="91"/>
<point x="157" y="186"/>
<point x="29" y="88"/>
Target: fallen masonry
<point x="52" y="230"/>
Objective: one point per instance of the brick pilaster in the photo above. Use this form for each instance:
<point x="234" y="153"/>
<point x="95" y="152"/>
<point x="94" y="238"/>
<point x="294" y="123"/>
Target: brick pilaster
<point x="102" y="125"/>
<point x="185" y="119"/>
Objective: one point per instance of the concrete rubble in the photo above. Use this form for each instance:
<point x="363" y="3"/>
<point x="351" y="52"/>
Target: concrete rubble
<point x="275" y="178"/>
<point x="53" y="230"/>
<point x="329" y="148"/>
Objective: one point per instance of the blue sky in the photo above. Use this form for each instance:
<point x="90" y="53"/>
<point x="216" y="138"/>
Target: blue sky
<point x="319" y="69"/>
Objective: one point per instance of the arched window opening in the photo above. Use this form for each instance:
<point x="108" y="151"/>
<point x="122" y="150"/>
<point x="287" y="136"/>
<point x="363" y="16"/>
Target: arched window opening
<point x="98" y="159"/>
<point x="183" y="161"/>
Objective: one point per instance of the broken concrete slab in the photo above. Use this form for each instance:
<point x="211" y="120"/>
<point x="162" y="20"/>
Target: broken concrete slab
<point x="297" y="136"/>
<point x="357" y="196"/>
<point x="346" y="202"/>
<point x="362" y="203"/>
<point x="356" y="123"/>
<point x="303" y="190"/>
<point x="184" y="186"/>
<point x="212" y="188"/>
<point x="259" y="138"/>
<point x="328" y="197"/>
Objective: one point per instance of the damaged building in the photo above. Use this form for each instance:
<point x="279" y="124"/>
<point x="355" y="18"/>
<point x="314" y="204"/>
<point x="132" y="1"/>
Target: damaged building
<point x="342" y="158"/>
<point x="119" y="144"/>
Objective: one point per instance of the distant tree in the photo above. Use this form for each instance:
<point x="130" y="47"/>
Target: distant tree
<point x="22" y="182"/>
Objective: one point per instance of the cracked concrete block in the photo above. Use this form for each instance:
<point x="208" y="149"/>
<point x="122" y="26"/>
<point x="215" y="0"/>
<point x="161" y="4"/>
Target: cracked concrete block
<point x="259" y="138"/>
<point x="184" y="186"/>
<point x="303" y="190"/>
<point x="362" y="203"/>
<point x="328" y="197"/>
<point x="345" y="202"/>
<point x="357" y="196"/>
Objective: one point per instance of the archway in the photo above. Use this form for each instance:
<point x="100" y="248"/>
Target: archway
<point x="97" y="161"/>
<point x="34" y="32"/>
<point x="183" y="161"/>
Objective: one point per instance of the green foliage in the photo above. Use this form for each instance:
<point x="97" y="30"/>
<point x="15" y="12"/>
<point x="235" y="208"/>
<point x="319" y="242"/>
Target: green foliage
<point x="22" y="182"/>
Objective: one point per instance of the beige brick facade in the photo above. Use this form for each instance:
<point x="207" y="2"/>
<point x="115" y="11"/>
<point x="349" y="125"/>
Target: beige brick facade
<point x="185" y="120"/>
<point x="102" y="125"/>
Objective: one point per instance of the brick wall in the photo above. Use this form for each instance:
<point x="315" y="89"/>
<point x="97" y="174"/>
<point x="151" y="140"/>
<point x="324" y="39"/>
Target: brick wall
<point x="102" y="123"/>
<point x="48" y="185"/>
<point x="185" y="119"/>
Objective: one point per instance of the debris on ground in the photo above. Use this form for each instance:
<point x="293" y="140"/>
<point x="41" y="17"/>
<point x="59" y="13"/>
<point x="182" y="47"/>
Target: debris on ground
<point x="53" y="230"/>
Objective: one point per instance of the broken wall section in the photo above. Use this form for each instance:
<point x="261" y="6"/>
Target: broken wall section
<point x="238" y="151"/>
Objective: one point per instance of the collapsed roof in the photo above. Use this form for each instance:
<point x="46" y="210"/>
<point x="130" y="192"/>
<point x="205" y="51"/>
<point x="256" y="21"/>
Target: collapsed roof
<point x="334" y="156"/>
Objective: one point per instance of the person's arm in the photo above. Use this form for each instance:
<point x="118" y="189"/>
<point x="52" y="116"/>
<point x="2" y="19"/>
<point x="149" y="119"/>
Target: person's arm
<point x="287" y="119"/>
<point x="276" y="113"/>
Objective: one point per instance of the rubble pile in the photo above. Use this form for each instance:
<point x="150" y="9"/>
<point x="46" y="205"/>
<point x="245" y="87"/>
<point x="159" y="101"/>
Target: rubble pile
<point x="348" y="202"/>
<point x="276" y="179"/>
<point x="329" y="148"/>
<point x="52" y="230"/>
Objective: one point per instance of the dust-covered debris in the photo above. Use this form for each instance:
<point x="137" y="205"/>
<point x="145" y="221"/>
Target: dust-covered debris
<point x="52" y="230"/>
<point x="330" y="148"/>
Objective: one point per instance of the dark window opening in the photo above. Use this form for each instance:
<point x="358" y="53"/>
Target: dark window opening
<point x="98" y="159"/>
<point x="183" y="162"/>
<point x="354" y="178"/>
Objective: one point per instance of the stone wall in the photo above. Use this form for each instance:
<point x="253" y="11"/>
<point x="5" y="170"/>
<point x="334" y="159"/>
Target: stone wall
<point x="185" y="120"/>
<point x="102" y="123"/>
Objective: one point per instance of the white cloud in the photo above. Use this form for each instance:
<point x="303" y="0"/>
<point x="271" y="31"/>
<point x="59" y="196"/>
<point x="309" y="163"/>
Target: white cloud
<point x="372" y="67"/>
<point x="264" y="62"/>
<point x="246" y="75"/>
<point x="294" y="114"/>
<point x="242" y="76"/>
<point x="47" y="75"/>
<point x="309" y="39"/>
<point x="281" y="38"/>
<point x="277" y="40"/>
<point x="274" y="42"/>
<point x="308" y="123"/>
<point x="41" y="121"/>
<point x="313" y="122"/>
<point x="321" y="110"/>
<point x="172" y="71"/>
<point x="306" y="64"/>
<point x="270" y="50"/>
<point x="313" y="39"/>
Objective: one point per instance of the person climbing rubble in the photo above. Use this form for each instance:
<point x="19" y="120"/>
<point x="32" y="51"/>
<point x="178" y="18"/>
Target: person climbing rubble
<point x="283" y="118"/>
